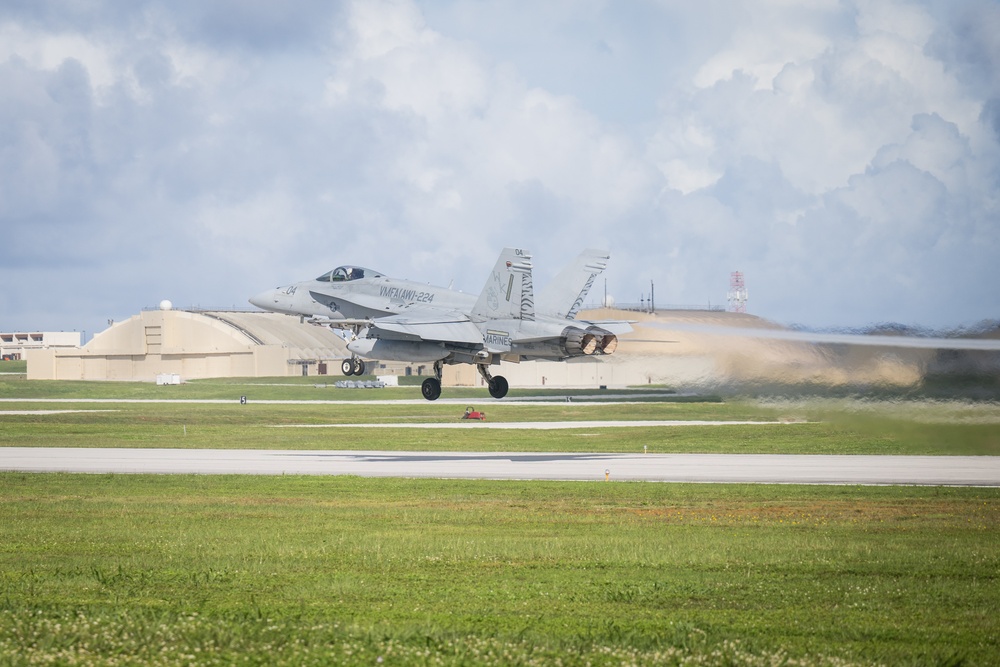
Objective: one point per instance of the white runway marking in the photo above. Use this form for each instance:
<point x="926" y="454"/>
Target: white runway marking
<point x="723" y="468"/>
<point x="48" y="412"/>
<point x="475" y="424"/>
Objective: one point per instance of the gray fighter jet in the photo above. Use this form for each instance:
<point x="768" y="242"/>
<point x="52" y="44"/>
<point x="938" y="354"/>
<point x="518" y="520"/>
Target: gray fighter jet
<point x="399" y="320"/>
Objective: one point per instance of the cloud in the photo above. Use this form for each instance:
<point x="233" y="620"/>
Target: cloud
<point x="870" y="183"/>
<point x="843" y="154"/>
<point x="481" y="144"/>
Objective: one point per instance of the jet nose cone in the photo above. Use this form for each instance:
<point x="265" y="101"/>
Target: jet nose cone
<point x="264" y="300"/>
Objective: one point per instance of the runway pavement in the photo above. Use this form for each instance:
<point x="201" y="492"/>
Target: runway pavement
<point x="731" y="468"/>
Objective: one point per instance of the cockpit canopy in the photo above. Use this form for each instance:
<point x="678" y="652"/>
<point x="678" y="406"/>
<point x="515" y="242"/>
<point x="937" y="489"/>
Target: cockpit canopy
<point x="345" y="273"/>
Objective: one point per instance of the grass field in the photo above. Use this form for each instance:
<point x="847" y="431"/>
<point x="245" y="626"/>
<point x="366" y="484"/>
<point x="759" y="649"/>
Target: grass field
<point x="297" y="570"/>
<point x="19" y="367"/>
<point x="830" y="426"/>
<point x="176" y="570"/>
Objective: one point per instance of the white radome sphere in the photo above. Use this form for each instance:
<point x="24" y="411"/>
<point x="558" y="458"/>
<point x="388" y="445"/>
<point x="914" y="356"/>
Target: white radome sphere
<point x="609" y="301"/>
<point x="166" y="305"/>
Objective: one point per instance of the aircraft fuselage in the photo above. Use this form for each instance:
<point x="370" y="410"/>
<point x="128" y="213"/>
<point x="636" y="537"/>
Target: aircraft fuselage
<point x="338" y="296"/>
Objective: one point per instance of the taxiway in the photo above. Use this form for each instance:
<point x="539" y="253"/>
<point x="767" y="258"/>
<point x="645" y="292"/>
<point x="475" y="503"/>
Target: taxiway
<point x="717" y="468"/>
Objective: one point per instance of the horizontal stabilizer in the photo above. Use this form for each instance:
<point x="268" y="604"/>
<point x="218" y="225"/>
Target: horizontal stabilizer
<point x="614" y="326"/>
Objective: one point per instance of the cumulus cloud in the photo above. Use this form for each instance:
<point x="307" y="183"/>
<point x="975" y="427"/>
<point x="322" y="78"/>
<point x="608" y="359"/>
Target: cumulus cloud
<point x="844" y="154"/>
<point x="873" y="175"/>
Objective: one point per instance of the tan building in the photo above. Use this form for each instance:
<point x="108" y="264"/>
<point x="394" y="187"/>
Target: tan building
<point x="15" y="345"/>
<point x="195" y="345"/>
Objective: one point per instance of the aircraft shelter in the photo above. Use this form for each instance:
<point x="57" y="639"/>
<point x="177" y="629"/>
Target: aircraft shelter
<point x="193" y="345"/>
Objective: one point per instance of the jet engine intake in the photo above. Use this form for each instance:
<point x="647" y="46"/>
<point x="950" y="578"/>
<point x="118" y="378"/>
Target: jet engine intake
<point x="577" y="342"/>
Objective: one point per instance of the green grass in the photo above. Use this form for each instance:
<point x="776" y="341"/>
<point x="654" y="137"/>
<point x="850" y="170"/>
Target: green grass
<point x="277" y="388"/>
<point x="10" y="367"/>
<point x="840" y="426"/>
<point x="304" y="570"/>
<point x="172" y="570"/>
<point x="189" y="431"/>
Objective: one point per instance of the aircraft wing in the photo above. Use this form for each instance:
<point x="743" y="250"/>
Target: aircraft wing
<point x="429" y="326"/>
<point x="918" y="342"/>
<point x="341" y="323"/>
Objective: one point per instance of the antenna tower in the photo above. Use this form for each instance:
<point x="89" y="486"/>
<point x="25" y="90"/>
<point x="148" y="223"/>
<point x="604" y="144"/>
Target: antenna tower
<point x="737" y="293"/>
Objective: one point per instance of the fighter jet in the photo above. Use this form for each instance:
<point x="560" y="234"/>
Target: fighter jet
<point x="350" y="297"/>
<point x="398" y="320"/>
<point x="502" y="326"/>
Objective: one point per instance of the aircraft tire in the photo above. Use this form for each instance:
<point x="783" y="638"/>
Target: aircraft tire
<point x="359" y="367"/>
<point x="498" y="386"/>
<point x="347" y="366"/>
<point x="431" y="389"/>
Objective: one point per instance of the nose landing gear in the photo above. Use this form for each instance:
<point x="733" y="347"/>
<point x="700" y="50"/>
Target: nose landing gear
<point x="353" y="366"/>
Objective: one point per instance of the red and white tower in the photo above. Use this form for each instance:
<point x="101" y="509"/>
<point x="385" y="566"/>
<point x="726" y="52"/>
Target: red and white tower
<point x="737" y="293"/>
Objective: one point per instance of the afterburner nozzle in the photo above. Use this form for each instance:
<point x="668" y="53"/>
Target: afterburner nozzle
<point x="577" y="341"/>
<point x="607" y="342"/>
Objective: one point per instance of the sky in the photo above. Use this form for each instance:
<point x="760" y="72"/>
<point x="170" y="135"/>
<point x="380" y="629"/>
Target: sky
<point x="843" y="154"/>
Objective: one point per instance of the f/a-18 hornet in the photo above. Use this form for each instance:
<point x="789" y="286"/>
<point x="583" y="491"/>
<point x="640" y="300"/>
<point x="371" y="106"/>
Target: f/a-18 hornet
<point x="401" y="320"/>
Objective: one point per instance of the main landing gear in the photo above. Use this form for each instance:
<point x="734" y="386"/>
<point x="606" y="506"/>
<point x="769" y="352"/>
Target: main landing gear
<point x="497" y="383"/>
<point x="431" y="387"/>
<point x="353" y="366"/>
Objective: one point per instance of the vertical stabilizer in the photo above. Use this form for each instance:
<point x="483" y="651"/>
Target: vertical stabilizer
<point x="563" y="297"/>
<point x="508" y="293"/>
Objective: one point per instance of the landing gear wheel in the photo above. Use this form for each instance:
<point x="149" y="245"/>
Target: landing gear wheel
<point x="498" y="386"/>
<point x="347" y="366"/>
<point x="431" y="389"/>
<point x="359" y="367"/>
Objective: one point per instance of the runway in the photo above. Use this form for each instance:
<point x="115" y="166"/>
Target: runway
<point x="705" y="468"/>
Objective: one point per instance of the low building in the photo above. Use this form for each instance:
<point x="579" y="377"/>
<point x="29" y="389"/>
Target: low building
<point x="13" y="346"/>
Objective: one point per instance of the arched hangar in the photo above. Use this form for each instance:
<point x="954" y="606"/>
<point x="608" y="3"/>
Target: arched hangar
<point x="193" y="345"/>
